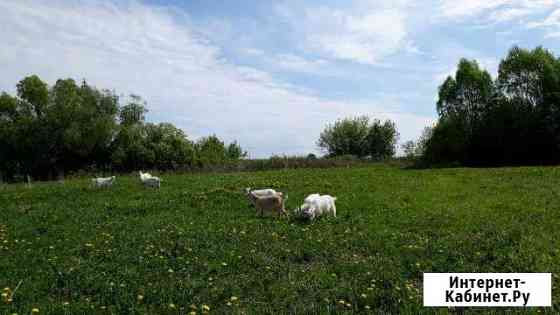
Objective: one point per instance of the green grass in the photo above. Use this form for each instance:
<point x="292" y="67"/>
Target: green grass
<point x="196" y="242"/>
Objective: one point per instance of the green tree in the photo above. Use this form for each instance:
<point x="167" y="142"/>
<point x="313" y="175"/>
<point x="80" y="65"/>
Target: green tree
<point x="409" y="149"/>
<point x="467" y="96"/>
<point x="235" y="152"/>
<point x="346" y="136"/>
<point x="34" y="92"/>
<point x="210" y="151"/>
<point x="382" y="139"/>
<point x="170" y="145"/>
<point x="134" y="111"/>
<point x="357" y="136"/>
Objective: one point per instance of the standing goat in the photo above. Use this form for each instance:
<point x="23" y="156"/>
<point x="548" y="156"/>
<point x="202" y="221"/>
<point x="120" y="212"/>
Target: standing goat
<point x="252" y="194"/>
<point x="150" y="181"/>
<point x="274" y="204"/>
<point x="103" y="181"/>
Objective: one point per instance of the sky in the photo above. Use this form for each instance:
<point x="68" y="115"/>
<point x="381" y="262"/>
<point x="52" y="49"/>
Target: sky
<point x="269" y="74"/>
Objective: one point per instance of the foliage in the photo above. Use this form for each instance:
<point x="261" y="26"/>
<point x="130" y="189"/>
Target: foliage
<point x="46" y="132"/>
<point x="514" y="120"/>
<point x="196" y="241"/>
<point x="360" y="137"/>
<point x="409" y="149"/>
<point x="235" y="152"/>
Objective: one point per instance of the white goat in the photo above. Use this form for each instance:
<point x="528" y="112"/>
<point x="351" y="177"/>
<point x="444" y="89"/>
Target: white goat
<point x="271" y="204"/>
<point x="144" y="176"/>
<point x="103" y="181"/>
<point x="153" y="181"/>
<point x="316" y="205"/>
<point x="252" y="194"/>
<point x="148" y="180"/>
<point x="310" y="198"/>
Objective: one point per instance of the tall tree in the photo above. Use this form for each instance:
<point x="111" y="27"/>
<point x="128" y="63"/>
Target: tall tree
<point x="382" y="139"/>
<point x="466" y="96"/>
<point x="134" y="111"/>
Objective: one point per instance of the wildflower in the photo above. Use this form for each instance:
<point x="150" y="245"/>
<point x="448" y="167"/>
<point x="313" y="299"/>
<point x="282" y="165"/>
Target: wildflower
<point x="363" y="295"/>
<point x="192" y="313"/>
<point x="233" y="298"/>
<point x="171" y="305"/>
<point x="228" y="303"/>
<point x="140" y="297"/>
<point x="35" y="311"/>
<point x="348" y="305"/>
<point x="66" y="303"/>
<point x="367" y="307"/>
<point x="205" y="307"/>
<point x="342" y="302"/>
<point x="224" y="264"/>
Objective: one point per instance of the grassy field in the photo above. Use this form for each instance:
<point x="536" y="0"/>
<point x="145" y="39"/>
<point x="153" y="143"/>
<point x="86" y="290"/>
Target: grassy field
<point x="196" y="246"/>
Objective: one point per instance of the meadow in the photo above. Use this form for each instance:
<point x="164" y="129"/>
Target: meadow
<point x="196" y="246"/>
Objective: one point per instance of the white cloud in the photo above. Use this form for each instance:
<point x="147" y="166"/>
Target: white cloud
<point x="552" y="20"/>
<point x="364" y="33"/>
<point x="154" y="52"/>
<point x="453" y="8"/>
<point x="495" y="11"/>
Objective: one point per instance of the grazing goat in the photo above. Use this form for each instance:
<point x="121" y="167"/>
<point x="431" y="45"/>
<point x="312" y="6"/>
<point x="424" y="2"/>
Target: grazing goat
<point x="252" y="194"/>
<point x="271" y="204"/>
<point x="144" y="176"/>
<point x="316" y="205"/>
<point x="309" y="199"/>
<point x="103" y="182"/>
<point x="148" y="180"/>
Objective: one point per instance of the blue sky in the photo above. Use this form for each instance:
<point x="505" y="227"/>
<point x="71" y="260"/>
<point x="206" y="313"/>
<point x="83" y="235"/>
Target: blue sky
<point x="270" y="74"/>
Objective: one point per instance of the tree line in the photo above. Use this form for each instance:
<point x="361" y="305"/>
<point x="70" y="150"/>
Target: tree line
<point x="513" y="119"/>
<point x="47" y="131"/>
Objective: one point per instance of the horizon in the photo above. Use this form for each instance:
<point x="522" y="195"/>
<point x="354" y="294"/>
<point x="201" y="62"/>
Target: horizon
<point x="269" y="75"/>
